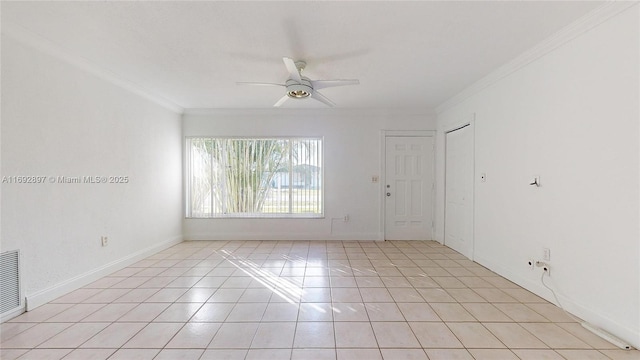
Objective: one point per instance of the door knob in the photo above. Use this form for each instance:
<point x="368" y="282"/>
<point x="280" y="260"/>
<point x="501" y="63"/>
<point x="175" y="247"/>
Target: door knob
<point x="388" y="194"/>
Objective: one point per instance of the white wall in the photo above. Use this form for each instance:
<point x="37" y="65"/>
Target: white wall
<point x="58" y="120"/>
<point x="571" y="117"/>
<point x="352" y="156"/>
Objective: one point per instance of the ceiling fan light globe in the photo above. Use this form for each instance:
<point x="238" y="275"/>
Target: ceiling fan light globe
<point x="298" y="94"/>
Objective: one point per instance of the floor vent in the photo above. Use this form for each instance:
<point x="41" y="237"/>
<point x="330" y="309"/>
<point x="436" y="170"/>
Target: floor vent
<point x="10" y="295"/>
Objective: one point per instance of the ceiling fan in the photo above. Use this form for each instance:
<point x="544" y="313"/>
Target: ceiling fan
<point x="301" y="87"/>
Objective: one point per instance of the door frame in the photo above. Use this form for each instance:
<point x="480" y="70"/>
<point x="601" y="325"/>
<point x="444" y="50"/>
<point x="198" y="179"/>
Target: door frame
<point x="468" y="122"/>
<point x="383" y="173"/>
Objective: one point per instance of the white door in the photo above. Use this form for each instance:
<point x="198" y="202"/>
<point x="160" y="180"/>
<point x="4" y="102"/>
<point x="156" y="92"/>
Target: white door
<point x="458" y="228"/>
<point x="408" y="188"/>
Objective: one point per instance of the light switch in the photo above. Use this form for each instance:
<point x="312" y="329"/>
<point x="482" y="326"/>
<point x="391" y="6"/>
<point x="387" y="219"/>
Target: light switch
<point x="375" y="179"/>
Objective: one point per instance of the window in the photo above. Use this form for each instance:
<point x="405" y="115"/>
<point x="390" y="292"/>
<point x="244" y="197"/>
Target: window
<point x="257" y="177"/>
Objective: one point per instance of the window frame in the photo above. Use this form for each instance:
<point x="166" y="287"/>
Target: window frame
<point x="187" y="173"/>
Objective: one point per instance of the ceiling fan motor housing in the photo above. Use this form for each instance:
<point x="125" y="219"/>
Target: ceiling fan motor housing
<point x="299" y="90"/>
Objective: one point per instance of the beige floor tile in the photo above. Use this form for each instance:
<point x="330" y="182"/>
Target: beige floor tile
<point x="349" y="312"/>
<point x="196" y="295"/>
<point x="154" y="335"/>
<point x="213" y="312"/>
<point x="110" y="312"/>
<point x="275" y="335"/>
<point x="136" y="295"/>
<point x="434" y="335"/>
<point x="210" y="282"/>
<point x="76" y="313"/>
<point x="145" y="312"/>
<point x="394" y="335"/>
<point x="114" y="336"/>
<point x="396" y="282"/>
<point x="281" y="312"/>
<point x="76" y="296"/>
<point x="529" y="354"/>
<point x="249" y="312"/>
<point x="514" y="336"/>
<point x="358" y="354"/>
<point x="448" y="354"/>
<point x="452" y="312"/>
<point x="369" y="282"/>
<point x="316" y="294"/>
<point x="418" y="312"/>
<point x="35" y="335"/>
<point x="375" y="295"/>
<point x="436" y="295"/>
<point x="622" y="354"/>
<point x="405" y="295"/>
<point x="9" y="329"/>
<point x="42" y="313"/>
<point x="465" y="296"/>
<point x="403" y="354"/>
<point x="475" y="282"/>
<point x="179" y="354"/>
<point x="226" y="295"/>
<point x="524" y="296"/>
<point x="234" y="336"/>
<point x="313" y="354"/>
<point x="194" y="336"/>
<point x="224" y="354"/>
<point x="343" y="281"/>
<point x="354" y="335"/>
<point x="474" y="335"/>
<point x="74" y="335"/>
<point x="268" y="354"/>
<point x="314" y="335"/>
<point x="554" y="336"/>
<point x="45" y="354"/>
<point x="255" y="296"/>
<point x="130" y="283"/>
<point x="495" y="295"/>
<point x="316" y="281"/>
<point x="582" y="355"/>
<point x="178" y="312"/>
<point x="587" y="336"/>
<point x="486" y="312"/>
<point x="89" y="354"/>
<point x="520" y="312"/>
<point x="345" y="295"/>
<point x="315" y="312"/>
<point x="449" y="282"/>
<point x="166" y="295"/>
<point x="551" y="312"/>
<point x="423" y="282"/>
<point x="493" y="354"/>
<point x="384" y="312"/>
<point x="106" y="296"/>
<point x="135" y="354"/>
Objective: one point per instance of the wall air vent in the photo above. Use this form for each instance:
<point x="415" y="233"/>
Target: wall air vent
<point x="10" y="293"/>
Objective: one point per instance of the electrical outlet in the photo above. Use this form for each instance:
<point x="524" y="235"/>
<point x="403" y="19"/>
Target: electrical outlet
<point x="105" y="240"/>
<point x="546" y="254"/>
<point x="346" y="218"/>
<point x="375" y="179"/>
<point x="531" y="264"/>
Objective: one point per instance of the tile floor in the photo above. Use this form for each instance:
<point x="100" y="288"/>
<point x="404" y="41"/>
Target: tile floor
<point x="302" y="300"/>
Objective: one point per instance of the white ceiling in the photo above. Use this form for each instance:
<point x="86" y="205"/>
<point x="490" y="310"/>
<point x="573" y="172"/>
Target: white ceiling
<point x="405" y="54"/>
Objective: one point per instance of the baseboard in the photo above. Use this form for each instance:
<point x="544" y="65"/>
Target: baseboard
<point x="590" y="315"/>
<point x="282" y="236"/>
<point x="44" y="296"/>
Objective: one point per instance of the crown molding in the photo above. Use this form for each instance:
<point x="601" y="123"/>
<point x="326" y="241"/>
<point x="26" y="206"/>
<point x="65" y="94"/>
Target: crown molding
<point x="563" y="36"/>
<point x="48" y="47"/>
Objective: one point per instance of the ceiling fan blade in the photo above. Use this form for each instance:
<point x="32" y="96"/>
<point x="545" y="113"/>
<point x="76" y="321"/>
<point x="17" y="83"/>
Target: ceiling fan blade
<point x="281" y="101"/>
<point x="293" y="70"/>
<point x="321" y="84"/>
<point x="323" y="99"/>
<point x="259" y="84"/>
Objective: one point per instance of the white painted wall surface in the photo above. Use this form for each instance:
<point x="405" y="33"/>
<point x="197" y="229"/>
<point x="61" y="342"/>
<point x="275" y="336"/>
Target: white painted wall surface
<point x="352" y="153"/>
<point x="571" y="117"/>
<point x="58" y="120"/>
